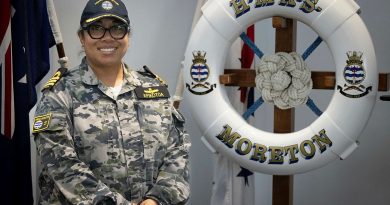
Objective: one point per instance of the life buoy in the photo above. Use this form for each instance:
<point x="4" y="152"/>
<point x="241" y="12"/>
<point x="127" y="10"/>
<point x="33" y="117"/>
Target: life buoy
<point x="331" y="136"/>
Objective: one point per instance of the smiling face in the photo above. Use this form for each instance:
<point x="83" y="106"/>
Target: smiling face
<point x="107" y="51"/>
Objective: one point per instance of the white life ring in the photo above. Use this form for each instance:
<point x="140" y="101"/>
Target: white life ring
<point x="331" y="136"/>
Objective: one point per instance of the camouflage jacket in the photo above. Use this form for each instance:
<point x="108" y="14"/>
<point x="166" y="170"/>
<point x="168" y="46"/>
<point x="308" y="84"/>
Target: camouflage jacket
<point x="94" y="147"/>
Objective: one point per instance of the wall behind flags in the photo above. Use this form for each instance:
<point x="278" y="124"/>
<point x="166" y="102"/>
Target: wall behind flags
<point x="160" y="33"/>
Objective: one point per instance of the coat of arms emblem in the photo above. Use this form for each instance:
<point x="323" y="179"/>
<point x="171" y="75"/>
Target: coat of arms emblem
<point x="354" y="75"/>
<point x="199" y="74"/>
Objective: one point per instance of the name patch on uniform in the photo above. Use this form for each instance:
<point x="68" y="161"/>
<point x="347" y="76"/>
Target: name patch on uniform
<point x="41" y="122"/>
<point x="152" y="92"/>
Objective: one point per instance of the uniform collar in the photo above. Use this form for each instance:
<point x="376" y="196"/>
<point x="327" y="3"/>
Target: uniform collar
<point x="87" y="75"/>
<point x="130" y="81"/>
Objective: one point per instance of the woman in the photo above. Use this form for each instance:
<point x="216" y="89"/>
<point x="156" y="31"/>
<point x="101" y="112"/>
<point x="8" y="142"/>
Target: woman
<point x="107" y="134"/>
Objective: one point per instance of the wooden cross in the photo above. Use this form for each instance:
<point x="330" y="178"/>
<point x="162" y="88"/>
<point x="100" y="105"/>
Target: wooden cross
<point x="285" y="40"/>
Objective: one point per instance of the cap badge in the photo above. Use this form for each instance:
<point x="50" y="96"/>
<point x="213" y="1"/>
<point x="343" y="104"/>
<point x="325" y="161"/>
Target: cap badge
<point x="107" y="5"/>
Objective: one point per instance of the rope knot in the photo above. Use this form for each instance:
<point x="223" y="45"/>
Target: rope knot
<point x="284" y="79"/>
<point x="63" y="62"/>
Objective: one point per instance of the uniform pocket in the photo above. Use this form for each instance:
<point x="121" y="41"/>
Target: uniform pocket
<point x="88" y="132"/>
<point x="154" y="114"/>
<point x="155" y="118"/>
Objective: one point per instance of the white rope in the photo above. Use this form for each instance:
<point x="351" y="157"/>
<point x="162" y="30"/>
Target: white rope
<point x="63" y="62"/>
<point x="284" y="79"/>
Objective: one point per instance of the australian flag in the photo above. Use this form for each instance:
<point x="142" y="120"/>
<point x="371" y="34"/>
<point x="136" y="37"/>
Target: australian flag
<point x="25" y="38"/>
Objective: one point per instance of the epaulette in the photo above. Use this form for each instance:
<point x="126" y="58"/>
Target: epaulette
<point x="149" y="73"/>
<point x="53" y="80"/>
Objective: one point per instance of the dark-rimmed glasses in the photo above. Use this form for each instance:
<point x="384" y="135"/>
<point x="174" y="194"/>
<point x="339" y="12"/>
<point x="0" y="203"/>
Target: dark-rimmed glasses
<point x="117" y="32"/>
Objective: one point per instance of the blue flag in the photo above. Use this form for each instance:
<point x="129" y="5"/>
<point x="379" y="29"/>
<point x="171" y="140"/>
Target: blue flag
<point x="25" y="28"/>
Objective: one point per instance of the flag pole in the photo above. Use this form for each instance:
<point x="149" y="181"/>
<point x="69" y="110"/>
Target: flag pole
<point x="60" y="50"/>
<point x="63" y="60"/>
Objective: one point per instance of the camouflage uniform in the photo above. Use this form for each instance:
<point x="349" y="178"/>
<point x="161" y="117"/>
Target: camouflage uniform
<point x="95" y="147"/>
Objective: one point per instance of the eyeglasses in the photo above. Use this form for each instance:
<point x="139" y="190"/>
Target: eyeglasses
<point x="97" y="31"/>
